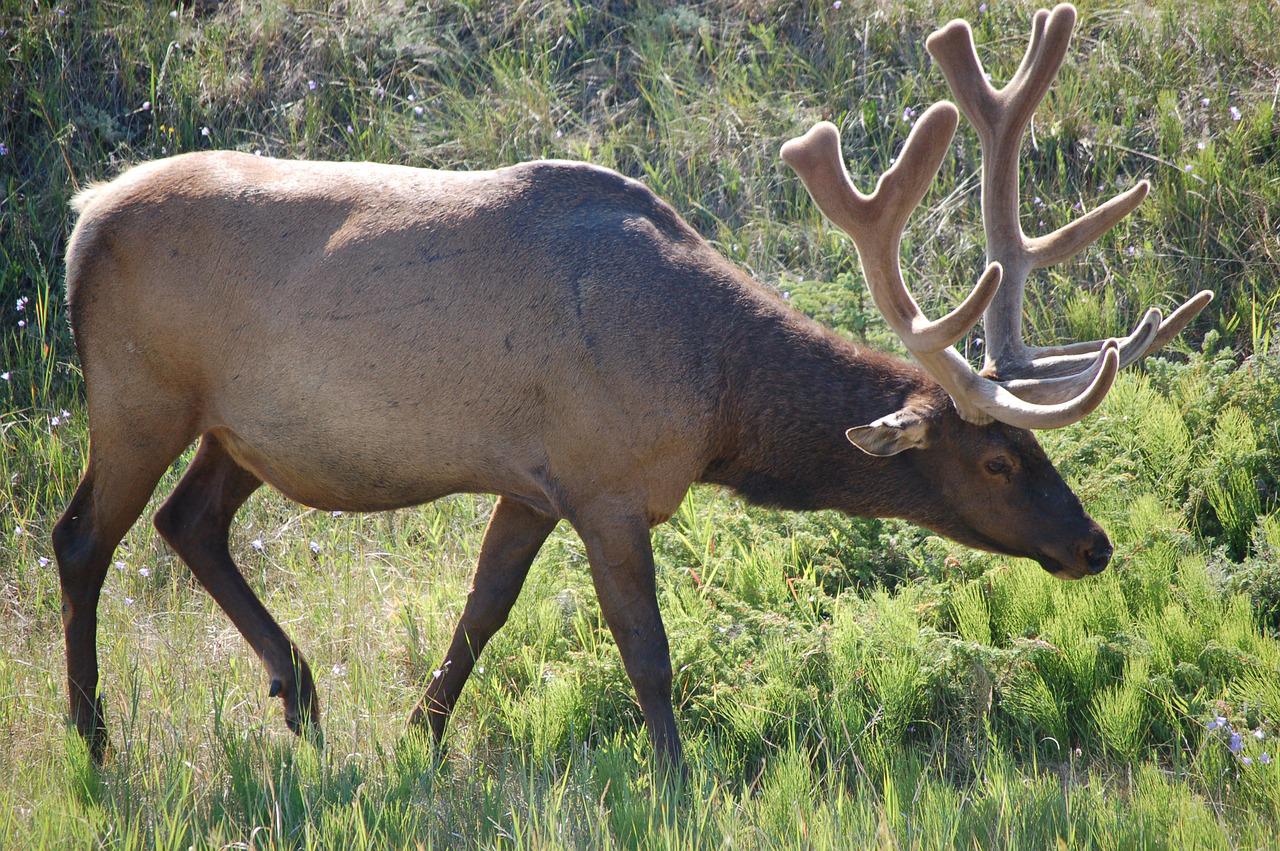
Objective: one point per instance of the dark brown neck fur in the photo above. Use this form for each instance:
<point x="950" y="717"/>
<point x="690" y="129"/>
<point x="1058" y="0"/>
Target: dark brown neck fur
<point x="794" y="388"/>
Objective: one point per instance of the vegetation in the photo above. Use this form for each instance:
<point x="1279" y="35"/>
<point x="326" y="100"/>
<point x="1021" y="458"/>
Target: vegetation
<point x="840" y="682"/>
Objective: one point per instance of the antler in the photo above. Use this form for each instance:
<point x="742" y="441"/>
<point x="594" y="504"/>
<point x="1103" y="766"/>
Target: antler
<point x="1000" y="117"/>
<point x="876" y="221"/>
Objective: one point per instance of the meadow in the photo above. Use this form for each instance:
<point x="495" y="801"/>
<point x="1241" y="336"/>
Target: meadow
<point x="840" y="682"/>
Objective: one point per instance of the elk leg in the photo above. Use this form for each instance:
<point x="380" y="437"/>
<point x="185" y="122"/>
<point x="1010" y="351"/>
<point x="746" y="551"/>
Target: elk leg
<point x="622" y="570"/>
<point x="196" y="520"/>
<point x="512" y="540"/>
<point x="115" y="488"/>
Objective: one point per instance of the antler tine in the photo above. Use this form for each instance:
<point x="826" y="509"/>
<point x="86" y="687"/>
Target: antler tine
<point x="875" y="222"/>
<point x="1000" y="117"/>
<point x="1150" y="335"/>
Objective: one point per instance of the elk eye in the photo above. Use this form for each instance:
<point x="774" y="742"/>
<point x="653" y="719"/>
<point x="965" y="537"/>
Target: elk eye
<point x="999" y="467"/>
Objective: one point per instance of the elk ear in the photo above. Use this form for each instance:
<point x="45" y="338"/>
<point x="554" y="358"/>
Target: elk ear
<point x="891" y="434"/>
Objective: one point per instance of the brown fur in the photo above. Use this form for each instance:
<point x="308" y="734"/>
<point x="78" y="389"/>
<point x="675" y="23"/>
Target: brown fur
<point x="366" y="337"/>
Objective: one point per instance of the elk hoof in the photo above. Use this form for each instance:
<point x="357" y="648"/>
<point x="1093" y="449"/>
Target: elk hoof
<point x="301" y="706"/>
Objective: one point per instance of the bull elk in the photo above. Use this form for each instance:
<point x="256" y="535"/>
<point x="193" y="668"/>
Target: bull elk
<point x="366" y="337"/>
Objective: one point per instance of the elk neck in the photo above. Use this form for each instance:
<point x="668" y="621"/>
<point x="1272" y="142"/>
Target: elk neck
<point x="792" y="390"/>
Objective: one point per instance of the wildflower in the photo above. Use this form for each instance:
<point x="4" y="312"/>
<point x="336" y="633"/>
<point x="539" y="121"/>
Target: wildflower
<point x="786" y="295"/>
<point x="4" y="376"/>
<point x="315" y="546"/>
<point x="146" y="106"/>
<point x="42" y="561"/>
<point x="1204" y="101"/>
<point x="1188" y="168"/>
<point x="1200" y="145"/>
<point x="21" y="304"/>
<point x="336" y="513"/>
<point x="174" y="14"/>
<point x="1265" y="759"/>
<point x="1130" y="250"/>
<point x="204" y="131"/>
<point x="1259" y="734"/>
<point x="1247" y="760"/>
<point x="410" y="98"/>
<point x="257" y="152"/>
<point x="836" y="5"/>
<point x="257" y="544"/>
<point x="128" y="601"/>
<point x="1218" y="721"/>
<point x="22" y="323"/>
<point x="65" y="414"/>
<point x="55" y="421"/>
<point x="1038" y="201"/>
<point x="4" y="150"/>
<point x="339" y="670"/>
<point x="311" y="85"/>
<point x="17" y="531"/>
<point x="144" y="572"/>
<point x="982" y="8"/>
<point x="121" y="565"/>
<point x="1235" y="113"/>
<point x="436" y="673"/>
<point x="417" y="110"/>
<point x="1236" y="744"/>
<point x="907" y="114"/>
<point x="1077" y="753"/>
<point x="350" y="129"/>
<point x="480" y="670"/>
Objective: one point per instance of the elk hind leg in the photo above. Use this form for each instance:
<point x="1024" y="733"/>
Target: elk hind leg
<point x="127" y="457"/>
<point x="196" y="521"/>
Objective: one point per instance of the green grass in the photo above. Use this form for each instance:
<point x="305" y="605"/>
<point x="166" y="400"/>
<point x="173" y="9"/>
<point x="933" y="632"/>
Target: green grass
<point x="839" y="682"/>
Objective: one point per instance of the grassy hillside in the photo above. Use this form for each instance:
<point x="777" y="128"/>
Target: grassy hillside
<point x="840" y="682"/>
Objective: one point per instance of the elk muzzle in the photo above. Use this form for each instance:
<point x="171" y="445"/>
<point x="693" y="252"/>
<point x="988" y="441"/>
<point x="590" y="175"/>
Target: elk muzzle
<point x="1088" y="556"/>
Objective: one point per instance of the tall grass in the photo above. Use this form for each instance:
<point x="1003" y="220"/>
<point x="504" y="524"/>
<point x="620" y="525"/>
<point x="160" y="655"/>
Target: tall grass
<point x="840" y="682"/>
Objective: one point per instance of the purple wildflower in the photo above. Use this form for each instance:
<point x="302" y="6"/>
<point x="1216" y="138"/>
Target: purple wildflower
<point x="1236" y="744"/>
<point x="4" y="150"/>
<point x="1235" y="113"/>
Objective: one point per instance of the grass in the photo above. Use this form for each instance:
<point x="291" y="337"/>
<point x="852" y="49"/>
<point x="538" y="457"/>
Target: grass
<point x="840" y="682"/>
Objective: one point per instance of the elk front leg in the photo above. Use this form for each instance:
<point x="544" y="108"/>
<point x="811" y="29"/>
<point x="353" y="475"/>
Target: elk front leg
<point x="512" y="540"/>
<point x="622" y="570"/>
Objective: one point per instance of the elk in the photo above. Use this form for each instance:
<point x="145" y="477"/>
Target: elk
<point x="367" y="337"/>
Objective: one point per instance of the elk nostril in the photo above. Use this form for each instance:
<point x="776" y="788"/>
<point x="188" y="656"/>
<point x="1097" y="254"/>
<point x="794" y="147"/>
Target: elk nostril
<point x="1098" y="557"/>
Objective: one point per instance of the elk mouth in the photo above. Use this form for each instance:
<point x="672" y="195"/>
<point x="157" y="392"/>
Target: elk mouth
<point x="1063" y="570"/>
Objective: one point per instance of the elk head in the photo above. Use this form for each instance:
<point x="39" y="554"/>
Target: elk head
<point x="991" y="484"/>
